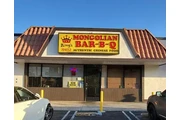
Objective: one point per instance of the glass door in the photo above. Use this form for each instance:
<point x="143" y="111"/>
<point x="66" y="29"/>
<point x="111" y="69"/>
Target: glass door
<point x="92" y="78"/>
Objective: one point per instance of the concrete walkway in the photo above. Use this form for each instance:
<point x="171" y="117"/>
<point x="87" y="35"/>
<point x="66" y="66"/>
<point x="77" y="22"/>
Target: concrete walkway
<point x="94" y="106"/>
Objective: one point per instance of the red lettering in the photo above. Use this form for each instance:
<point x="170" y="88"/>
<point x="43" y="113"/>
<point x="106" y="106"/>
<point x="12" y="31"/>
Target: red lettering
<point x="91" y="44"/>
<point x="100" y="37"/>
<point x="109" y="38"/>
<point x="112" y="45"/>
<point x="86" y="37"/>
<point x="75" y="37"/>
<point x="91" y="37"/>
<point x="78" y="43"/>
<point x="104" y="38"/>
<point x="81" y="37"/>
<point x="115" y="37"/>
<point x="101" y="44"/>
<point x="66" y="49"/>
<point x="84" y="44"/>
<point x="96" y="37"/>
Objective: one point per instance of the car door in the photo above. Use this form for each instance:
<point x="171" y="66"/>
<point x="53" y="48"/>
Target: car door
<point x="28" y="106"/>
<point x="161" y="104"/>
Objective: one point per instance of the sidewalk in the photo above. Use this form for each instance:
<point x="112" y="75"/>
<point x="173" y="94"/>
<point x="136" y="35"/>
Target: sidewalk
<point x="94" y="106"/>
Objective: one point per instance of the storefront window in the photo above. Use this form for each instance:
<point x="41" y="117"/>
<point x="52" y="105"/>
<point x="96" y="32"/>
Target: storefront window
<point x="51" y="75"/>
<point x="47" y="76"/>
<point x="34" y="75"/>
<point x="73" y="76"/>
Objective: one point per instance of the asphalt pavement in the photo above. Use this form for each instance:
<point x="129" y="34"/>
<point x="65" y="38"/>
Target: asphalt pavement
<point x="83" y="110"/>
<point x="95" y="115"/>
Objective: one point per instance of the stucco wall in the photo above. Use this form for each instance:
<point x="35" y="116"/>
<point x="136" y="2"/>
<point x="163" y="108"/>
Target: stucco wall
<point x="52" y="48"/>
<point x="154" y="79"/>
<point x="19" y="74"/>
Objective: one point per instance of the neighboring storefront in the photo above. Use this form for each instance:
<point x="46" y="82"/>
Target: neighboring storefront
<point x="77" y="63"/>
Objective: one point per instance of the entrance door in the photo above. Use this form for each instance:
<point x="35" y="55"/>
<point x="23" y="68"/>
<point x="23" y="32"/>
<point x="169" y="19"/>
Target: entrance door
<point x="92" y="79"/>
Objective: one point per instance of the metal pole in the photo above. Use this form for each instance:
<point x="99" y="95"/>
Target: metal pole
<point x="101" y="101"/>
<point x="42" y="93"/>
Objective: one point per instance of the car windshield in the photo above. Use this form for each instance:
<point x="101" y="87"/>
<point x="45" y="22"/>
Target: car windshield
<point x="23" y="94"/>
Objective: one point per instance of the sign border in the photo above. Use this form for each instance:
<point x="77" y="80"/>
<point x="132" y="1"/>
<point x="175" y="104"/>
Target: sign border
<point x="91" y="52"/>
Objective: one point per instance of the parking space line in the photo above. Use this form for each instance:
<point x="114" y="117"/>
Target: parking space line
<point x="73" y="115"/>
<point x="126" y="115"/>
<point x="134" y="115"/>
<point x="65" y="115"/>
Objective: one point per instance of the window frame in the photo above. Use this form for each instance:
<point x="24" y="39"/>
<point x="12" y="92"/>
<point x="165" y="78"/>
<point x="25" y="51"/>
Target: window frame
<point x="41" y="76"/>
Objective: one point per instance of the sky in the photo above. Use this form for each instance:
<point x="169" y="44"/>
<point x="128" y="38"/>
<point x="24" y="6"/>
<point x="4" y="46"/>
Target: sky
<point x="129" y="14"/>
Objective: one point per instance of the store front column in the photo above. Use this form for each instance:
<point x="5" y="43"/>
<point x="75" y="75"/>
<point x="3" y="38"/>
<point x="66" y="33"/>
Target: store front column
<point x="104" y="76"/>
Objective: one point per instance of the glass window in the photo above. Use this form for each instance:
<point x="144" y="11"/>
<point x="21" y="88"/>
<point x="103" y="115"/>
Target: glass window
<point x="34" y="70"/>
<point x="34" y="75"/>
<point x="24" y="95"/>
<point x="52" y="70"/>
<point x="73" y="76"/>
<point x="51" y="75"/>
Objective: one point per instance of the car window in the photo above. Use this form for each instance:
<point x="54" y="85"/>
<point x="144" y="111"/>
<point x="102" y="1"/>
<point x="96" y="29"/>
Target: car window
<point x="16" y="95"/>
<point x="15" y="99"/>
<point x="164" y="93"/>
<point x="24" y="95"/>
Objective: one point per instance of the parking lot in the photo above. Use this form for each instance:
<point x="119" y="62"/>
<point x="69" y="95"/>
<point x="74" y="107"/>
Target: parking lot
<point x="108" y="115"/>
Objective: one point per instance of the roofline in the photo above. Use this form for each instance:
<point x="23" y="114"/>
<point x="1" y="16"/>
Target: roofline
<point x="161" y="38"/>
<point x="89" y="29"/>
<point x="128" y="39"/>
<point x="46" y="42"/>
<point x="95" y="29"/>
<point x="156" y="39"/>
<point x="17" y="34"/>
<point x="85" y="29"/>
<point x="63" y="58"/>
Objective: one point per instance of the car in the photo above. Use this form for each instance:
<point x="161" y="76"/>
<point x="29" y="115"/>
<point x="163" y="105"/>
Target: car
<point x="156" y="105"/>
<point x="30" y="106"/>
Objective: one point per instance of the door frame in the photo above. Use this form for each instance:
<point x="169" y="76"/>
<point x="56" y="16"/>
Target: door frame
<point x="85" y="89"/>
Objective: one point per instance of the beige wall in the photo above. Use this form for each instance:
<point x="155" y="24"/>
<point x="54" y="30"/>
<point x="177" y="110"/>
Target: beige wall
<point x="154" y="79"/>
<point x="52" y="48"/>
<point x="19" y="74"/>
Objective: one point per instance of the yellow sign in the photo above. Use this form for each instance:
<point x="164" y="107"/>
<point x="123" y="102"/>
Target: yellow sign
<point x="88" y="43"/>
<point x="73" y="84"/>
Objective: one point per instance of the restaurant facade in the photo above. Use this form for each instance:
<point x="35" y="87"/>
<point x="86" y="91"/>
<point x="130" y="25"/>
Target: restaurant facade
<point x="75" y="64"/>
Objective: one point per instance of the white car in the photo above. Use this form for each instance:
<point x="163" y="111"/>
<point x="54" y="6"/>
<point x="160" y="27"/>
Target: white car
<point x="29" y="106"/>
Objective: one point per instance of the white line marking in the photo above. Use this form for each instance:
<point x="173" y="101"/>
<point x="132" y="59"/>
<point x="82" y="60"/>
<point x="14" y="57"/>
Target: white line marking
<point x="73" y="115"/>
<point x="65" y="115"/>
<point x="126" y="115"/>
<point x="134" y="115"/>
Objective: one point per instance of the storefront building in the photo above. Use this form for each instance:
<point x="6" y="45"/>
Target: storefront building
<point x="75" y="64"/>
